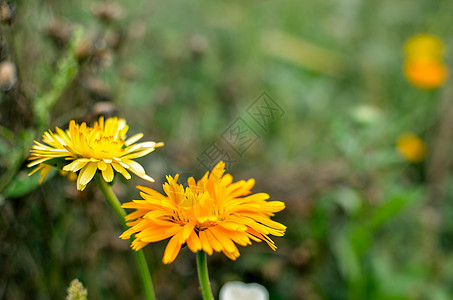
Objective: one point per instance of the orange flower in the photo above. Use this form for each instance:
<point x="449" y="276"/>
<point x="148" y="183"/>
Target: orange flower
<point x="424" y="67"/>
<point x="212" y="214"/>
<point x="425" y="73"/>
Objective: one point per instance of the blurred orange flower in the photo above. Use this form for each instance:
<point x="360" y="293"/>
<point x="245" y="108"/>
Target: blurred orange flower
<point x="411" y="147"/>
<point x="425" y="73"/>
<point x="424" y="67"/>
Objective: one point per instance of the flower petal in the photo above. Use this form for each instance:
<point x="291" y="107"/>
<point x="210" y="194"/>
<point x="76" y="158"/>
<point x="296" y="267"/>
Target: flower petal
<point x="44" y="171"/>
<point x="102" y="165"/>
<point x="172" y="249"/>
<point x="137" y="169"/>
<point x="134" y="139"/>
<point x="85" y="175"/>
<point x="121" y="170"/>
<point x="107" y="173"/>
<point x="76" y="165"/>
<point x="194" y="243"/>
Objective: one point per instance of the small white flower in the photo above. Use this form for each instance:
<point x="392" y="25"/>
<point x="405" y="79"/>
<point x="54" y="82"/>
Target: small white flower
<point x="237" y="290"/>
<point x="366" y="114"/>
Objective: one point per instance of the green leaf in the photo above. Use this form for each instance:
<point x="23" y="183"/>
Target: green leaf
<point x="22" y="184"/>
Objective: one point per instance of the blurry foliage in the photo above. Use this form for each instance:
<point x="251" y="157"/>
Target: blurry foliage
<point x="363" y="223"/>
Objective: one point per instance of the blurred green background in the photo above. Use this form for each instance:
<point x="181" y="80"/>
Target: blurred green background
<point x="363" y="222"/>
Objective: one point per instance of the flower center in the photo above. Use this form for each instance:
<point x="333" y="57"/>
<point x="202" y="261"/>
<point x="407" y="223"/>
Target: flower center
<point x="95" y="144"/>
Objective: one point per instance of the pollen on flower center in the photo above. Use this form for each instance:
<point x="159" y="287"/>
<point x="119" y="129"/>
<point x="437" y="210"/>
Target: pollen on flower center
<point x="203" y="225"/>
<point x="94" y="143"/>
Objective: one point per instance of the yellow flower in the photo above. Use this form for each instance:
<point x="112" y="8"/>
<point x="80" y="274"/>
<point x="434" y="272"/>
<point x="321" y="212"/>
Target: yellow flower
<point x="411" y="147"/>
<point x="86" y="149"/>
<point x="425" y="73"/>
<point x="424" y="45"/>
<point x="210" y="215"/>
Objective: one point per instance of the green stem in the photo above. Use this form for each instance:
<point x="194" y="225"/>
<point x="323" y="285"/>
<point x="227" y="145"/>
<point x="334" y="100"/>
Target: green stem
<point x="203" y="276"/>
<point x="139" y="256"/>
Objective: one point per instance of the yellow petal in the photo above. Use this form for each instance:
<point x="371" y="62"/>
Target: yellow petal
<point x="194" y="243"/>
<point x="231" y="255"/>
<point x="37" y="162"/>
<point x="137" y="169"/>
<point x="133" y="139"/>
<point x="76" y="165"/>
<point x="268" y="222"/>
<point x="86" y="174"/>
<point x="44" y="171"/>
<point x="121" y="170"/>
<point x="35" y="170"/>
<point x="172" y="249"/>
<point x="213" y="241"/>
<point x="102" y="165"/>
<point x="206" y="245"/>
<point x="186" y="231"/>
<point x="157" y="233"/>
<point x="223" y="239"/>
<point x="107" y="173"/>
<point x="138" y="244"/>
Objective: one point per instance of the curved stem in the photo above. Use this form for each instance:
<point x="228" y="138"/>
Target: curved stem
<point x="139" y="256"/>
<point x="203" y="276"/>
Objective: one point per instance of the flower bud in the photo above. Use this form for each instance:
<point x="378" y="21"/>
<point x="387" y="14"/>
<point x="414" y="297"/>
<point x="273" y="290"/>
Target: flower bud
<point x="97" y="89"/>
<point x="59" y="33"/>
<point x="84" y="50"/>
<point x="7" y="12"/>
<point x="103" y="108"/>
<point x="107" y="12"/>
<point x="8" y="76"/>
<point x="198" y="45"/>
<point x="116" y="39"/>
